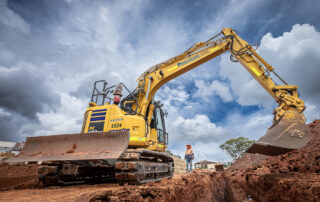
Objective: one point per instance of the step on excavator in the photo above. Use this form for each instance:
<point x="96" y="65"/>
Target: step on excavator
<point x="125" y="139"/>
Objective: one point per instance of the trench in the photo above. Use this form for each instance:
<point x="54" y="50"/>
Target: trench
<point x="186" y="187"/>
<point x="221" y="187"/>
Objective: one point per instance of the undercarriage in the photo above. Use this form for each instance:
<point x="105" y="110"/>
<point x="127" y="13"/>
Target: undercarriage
<point x="136" y="166"/>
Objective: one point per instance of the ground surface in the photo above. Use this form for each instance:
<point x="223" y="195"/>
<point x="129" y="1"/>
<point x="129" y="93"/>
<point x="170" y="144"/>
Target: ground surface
<point x="188" y="187"/>
<point x="294" y="176"/>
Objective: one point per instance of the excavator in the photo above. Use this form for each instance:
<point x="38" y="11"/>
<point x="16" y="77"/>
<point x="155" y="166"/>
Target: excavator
<point x="125" y="139"/>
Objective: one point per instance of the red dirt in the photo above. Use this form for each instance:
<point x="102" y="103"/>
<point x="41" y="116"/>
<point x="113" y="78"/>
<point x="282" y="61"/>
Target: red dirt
<point x="186" y="187"/>
<point x="294" y="176"/>
<point x="18" y="177"/>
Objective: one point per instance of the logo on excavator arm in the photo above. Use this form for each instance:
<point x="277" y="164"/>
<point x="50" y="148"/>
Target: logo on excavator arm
<point x="188" y="60"/>
<point x="184" y="62"/>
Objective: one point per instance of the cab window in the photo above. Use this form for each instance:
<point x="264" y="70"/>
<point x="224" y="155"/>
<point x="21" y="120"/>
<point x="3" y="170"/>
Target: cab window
<point x="157" y="122"/>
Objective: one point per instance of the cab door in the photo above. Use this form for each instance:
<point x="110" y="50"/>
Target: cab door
<point x="162" y="136"/>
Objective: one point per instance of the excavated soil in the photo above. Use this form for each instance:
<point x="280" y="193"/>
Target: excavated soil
<point x="18" y="177"/>
<point x="182" y="187"/>
<point x="294" y="176"/>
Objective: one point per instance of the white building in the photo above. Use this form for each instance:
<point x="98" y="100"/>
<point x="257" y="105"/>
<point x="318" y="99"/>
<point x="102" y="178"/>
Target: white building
<point x="6" y="146"/>
<point x="210" y="165"/>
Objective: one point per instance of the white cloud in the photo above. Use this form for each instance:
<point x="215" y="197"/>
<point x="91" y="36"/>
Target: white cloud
<point x="251" y="126"/>
<point x="197" y="129"/>
<point x="206" y="91"/>
<point x="67" y="119"/>
<point x="169" y="95"/>
<point x="312" y="112"/>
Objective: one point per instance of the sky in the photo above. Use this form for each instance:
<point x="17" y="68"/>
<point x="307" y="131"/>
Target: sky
<point x="51" y="52"/>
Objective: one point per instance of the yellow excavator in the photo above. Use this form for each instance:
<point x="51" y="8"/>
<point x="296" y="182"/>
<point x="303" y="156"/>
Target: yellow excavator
<point x="125" y="140"/>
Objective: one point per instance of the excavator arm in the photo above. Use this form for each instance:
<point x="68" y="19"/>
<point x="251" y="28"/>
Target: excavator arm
<point x="288" y="131"/>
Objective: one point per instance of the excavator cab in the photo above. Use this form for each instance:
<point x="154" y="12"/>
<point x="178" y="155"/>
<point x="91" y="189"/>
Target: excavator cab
<point x="158" y="123"/>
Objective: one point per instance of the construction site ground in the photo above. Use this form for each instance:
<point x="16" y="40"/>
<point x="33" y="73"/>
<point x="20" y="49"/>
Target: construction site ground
<point x="294" y="176"/>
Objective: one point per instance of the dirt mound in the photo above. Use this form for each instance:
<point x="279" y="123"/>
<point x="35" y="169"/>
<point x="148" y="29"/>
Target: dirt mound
<point x="187" y="187"/>
<point x="18" y="176"/>
<point x="291" y="176"/>
<point x="304" y="160"/>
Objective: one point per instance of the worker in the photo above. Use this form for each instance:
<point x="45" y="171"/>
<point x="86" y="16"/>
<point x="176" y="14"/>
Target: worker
<point x="189" y="157"/>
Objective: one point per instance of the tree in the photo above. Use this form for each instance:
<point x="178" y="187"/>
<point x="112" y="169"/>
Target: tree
<point x="227" y="164"/>
<point x="171" y="154"/>
<point x="236" y="147"/>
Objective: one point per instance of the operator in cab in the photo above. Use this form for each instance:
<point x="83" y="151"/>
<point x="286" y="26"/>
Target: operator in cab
<point x="189" y="157"/>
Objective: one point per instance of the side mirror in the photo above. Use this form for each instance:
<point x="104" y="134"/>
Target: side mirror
<point x="165" y="113"/>
<point x="127" y="102"/>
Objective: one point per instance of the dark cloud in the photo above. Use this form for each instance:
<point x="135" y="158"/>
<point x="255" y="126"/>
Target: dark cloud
<point x="40" y="13"/>
<point x="10" y="126"/>
<point x="25" y="93"/>
<point x="277" y="17"/>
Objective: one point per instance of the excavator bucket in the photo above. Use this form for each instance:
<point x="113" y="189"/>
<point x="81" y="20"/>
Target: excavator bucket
<point x="287" y="134"/>
<point x="68" y="147"/>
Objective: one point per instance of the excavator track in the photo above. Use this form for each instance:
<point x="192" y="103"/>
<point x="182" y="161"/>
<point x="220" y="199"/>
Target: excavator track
<point x="139" y="166"/>
<point x="71" y="173"/>
<point x="136" y="166"/>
